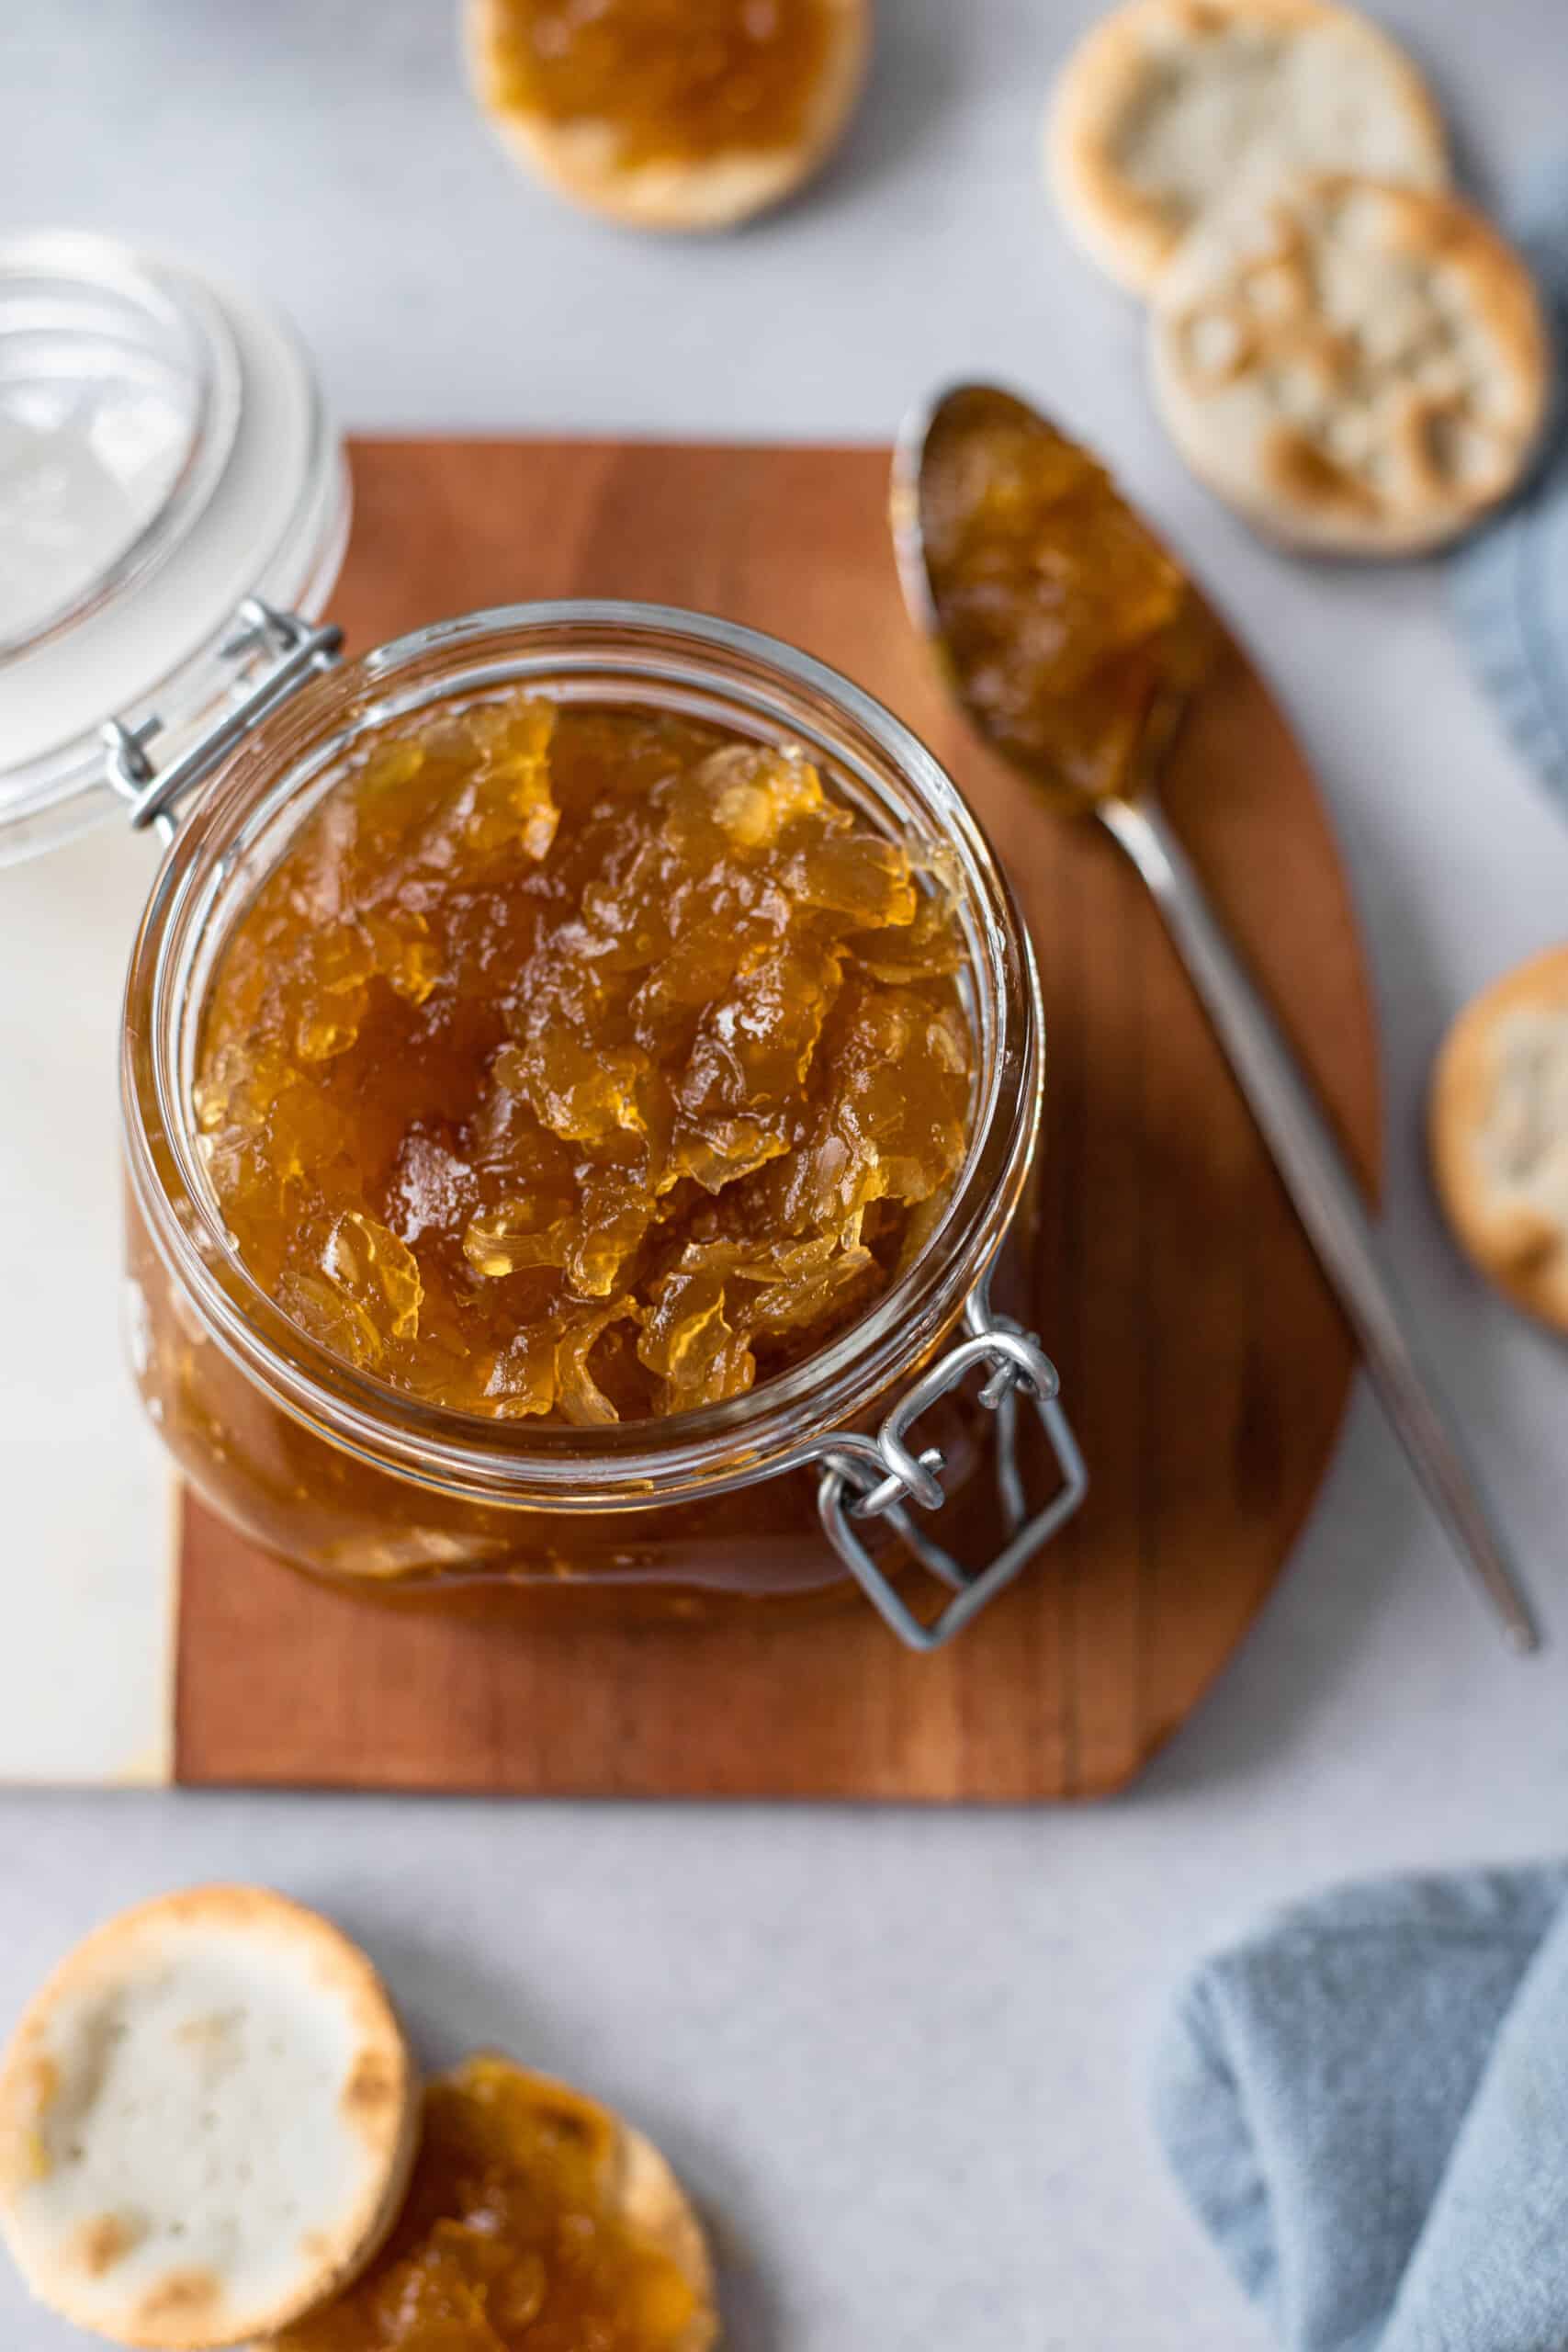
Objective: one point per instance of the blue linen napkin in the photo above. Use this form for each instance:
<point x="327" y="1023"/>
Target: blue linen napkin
<point x="1367" y="2105"/>
<point x="1509" y="584"/>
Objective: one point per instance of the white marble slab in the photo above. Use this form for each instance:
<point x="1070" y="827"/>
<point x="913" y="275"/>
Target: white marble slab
<point x="86" y="1594"/>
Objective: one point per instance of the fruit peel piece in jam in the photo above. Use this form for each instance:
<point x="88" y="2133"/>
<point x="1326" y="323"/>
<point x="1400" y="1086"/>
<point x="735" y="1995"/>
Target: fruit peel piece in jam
<point x="582" y="1095"/>
<point x="516" y="1235"/>
<point x="522" y="1381"/>
<point x="615" y="1210"/>
<point x="508" y="802"/>
<point x="404" y="956"/>
<point x="744" y="797"/>
<point x="688" y="1342"/>
<point x="581" y="1400"/>
<point x="754" y="1046"/>
<point x="856" y="876"/>
<point x="324" y="1311"/>
<point x="376" y="1273"/>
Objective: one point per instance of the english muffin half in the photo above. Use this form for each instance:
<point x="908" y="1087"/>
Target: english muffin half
<point x="677" y="115"/>
<point x="1357" y="368"/>
<point x="207" y="2118"/>
<point x="543" y="2208"/>
<point x="1498" y="1128"/>
<point x="1169" y="106"/>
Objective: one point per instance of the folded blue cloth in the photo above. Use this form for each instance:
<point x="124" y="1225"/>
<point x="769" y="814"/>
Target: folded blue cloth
<point x="1367" y="2103"/>
<point x="1510" y="583"/>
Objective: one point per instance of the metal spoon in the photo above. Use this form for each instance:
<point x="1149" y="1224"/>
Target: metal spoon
<point x="1309" y="1160"/>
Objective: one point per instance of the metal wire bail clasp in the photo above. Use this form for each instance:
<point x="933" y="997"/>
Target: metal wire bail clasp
<point x="865" y="1478"/>
<point x="299" y="651"/>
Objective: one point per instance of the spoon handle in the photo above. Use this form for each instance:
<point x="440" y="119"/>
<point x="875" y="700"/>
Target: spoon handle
<point x="1326" y="1199"/>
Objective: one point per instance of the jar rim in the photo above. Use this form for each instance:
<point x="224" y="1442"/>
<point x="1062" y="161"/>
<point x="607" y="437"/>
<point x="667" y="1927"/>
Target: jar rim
<point x="650" y="654"/>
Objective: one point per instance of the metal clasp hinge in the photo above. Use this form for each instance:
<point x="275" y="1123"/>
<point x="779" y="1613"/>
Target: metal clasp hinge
<point x="300" y="649"/>
<point x="879" y="1478"/>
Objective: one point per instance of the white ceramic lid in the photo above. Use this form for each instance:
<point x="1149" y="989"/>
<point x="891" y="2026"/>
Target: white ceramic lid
<point x="163" y="454"/>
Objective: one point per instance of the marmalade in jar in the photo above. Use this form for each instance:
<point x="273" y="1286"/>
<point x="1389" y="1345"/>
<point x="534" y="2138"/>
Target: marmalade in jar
<point x="1069" y="630"/>
<point x="668" y="81"/>
<point x="534" y="2223"/>
<point x="583" y="1063"/>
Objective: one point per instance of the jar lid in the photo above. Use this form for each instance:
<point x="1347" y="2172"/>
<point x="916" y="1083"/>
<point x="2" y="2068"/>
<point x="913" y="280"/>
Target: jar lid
<point x="164" y="454"/>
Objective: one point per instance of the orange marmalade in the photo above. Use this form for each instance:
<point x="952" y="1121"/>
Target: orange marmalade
<point x="516" y="2237"/>
<point x="671" y="81"/>
<point x="1069" y="630"/>
<point x="584" y="1063"/>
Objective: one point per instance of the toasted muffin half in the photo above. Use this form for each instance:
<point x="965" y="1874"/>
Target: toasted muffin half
<point x="544" y="2209"/>
<point x="1498" y="1132"/>
<point x="1168" y="107"/>
<point x="207" y="2121"/>
<point x="1358" y="368"/>
<point x="615" y="166"/>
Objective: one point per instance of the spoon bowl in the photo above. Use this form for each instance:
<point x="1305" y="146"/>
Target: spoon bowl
<point x="1069" y="635"/>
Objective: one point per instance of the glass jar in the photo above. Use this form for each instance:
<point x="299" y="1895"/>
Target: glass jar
<point x="337" y="1473"/>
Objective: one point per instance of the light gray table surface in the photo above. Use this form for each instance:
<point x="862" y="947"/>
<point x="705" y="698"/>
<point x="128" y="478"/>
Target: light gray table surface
<point x="901" y="2055"/>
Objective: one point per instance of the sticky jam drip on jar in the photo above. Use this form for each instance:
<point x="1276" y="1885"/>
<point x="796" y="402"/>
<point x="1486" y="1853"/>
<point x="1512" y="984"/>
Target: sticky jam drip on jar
<point x="584" y="1063"/>
<point x="670" y="81"/>
<point x="1068" y="628"/>
<point x="511" y="2240"/>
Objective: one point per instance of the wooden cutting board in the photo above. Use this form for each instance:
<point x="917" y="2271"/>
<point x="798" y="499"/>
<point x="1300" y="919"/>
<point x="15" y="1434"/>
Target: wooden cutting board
<point x="1202" y="1361"/>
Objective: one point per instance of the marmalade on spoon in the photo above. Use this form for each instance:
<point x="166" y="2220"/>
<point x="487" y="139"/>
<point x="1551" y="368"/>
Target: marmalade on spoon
<point x="672" y="81"/>
<point x="583" y="1062"/>
<point x="513" y="2239"/>
<point x="1069" y="630"/>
